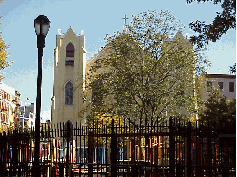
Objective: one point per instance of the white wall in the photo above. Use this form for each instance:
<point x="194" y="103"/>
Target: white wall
<point x="225" y="80"/>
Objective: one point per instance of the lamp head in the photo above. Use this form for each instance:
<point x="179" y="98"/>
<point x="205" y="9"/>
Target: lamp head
<point x="41" y="24"/>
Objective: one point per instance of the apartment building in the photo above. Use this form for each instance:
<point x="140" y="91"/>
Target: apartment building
<point x="9" y="107"/>
<point x="225" y="82"/>
<point x="27" y="116"/>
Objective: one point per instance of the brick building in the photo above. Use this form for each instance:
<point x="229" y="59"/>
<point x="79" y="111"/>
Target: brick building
<point x="9" y="107"/>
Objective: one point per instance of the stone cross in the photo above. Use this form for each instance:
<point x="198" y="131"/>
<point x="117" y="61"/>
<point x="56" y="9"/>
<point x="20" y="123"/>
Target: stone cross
<point x="125" y="18"/>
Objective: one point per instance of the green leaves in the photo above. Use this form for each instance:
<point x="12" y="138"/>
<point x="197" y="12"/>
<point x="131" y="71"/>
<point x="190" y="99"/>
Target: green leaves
<point x="146" y="72"/>
<point x="221" y="24"/>
<point x="218" y="110"/>
<point x="3" y="55"/>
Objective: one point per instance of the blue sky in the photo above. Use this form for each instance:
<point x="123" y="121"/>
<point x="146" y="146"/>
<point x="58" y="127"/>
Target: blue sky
<point x="96" y="18"/>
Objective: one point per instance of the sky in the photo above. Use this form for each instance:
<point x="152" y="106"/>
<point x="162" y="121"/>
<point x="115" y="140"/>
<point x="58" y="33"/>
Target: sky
<point x="96" y="18"/>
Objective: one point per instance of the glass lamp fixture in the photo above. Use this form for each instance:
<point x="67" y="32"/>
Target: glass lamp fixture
<point x="41" y="24"/>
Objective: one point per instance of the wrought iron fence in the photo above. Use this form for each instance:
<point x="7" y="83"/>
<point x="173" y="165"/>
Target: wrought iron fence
<point x="122" y="148"/>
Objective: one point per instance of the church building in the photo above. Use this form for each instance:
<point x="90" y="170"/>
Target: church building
<point x="69" y="73"/>
<point x="70" y="68"/>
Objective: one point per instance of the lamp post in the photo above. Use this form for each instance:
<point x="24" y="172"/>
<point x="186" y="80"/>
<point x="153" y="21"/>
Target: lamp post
<point x="41" y="25"/>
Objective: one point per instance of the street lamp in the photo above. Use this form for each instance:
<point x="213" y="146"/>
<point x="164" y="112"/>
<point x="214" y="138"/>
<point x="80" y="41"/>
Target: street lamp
<point x="41" y="24"/>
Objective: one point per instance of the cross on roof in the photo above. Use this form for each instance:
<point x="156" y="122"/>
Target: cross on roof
<point x="125" y="18"/>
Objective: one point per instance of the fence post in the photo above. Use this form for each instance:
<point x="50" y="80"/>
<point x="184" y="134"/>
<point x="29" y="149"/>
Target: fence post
<point x="188" y="151"/>
<point x="209" y="151"/>
<point x="1" y="155"/>
<point x="68" y="129"/>
<point x="4" y="155"/>
<point x="113" y="155"/>
<point x="70" y="173"/>
<point x="14" y="152"/>
<point x="132" y="157"/>
<point x="199" y="169"/>
<point x="171" y="149"/>
<point x="225" y="171"/>
<point x="132" y="150"/>
<point x="156" y="157"/>
<point x="90" y="154"/>
<point x="61" y="170"/>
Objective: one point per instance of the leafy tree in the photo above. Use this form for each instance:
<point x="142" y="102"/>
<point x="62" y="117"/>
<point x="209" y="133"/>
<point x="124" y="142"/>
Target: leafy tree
<point x="221" y="24"/>
<point x="102" y="124"/>
<point x="232" y="69"/>
<point x="220" y="112"/>
<point x="144" y="72"/>
<point x="3" y="55"/>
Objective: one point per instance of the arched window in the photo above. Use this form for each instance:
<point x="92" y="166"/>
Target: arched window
<point x="69" y="55"/>
<point x="70" y="50"/>
<point x="69" y="94"/>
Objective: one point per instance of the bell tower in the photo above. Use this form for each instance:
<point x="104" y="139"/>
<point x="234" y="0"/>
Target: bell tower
<point x="69" y="74"/>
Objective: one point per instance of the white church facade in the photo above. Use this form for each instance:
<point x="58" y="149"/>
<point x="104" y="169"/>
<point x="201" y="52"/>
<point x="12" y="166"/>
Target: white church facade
<point x="69" y="74"/>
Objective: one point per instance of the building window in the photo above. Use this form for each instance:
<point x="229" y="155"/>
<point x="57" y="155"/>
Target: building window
<point x="220" y="85"/>
<point x="70" y="50"/>
<point x="69" y="55"/>
<point x="231" y="86"/>
<point x="69" y="94"/>
<point x="209" y="86"/>
<point x="69" y="63"/>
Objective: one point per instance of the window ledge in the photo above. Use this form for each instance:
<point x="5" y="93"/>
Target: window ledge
<point x="69" y="58"/>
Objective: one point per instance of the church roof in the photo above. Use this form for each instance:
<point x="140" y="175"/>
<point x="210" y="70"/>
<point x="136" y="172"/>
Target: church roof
<point x="70" y="30"/>
<point x="94" y="58"/>
<point x="180" y="36"/>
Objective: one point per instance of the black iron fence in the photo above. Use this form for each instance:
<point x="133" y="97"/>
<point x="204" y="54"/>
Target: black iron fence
<point x="122" y="148"/>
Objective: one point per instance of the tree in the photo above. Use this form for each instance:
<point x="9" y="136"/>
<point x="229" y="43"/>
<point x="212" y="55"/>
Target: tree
<point x="232" y="69"/>
<point x="220" y="112"/>
<point x="144" y="72"/>
<point x="221" y="24"/>
<point x="102" y="124"/>
<point x="3" y="55"/>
